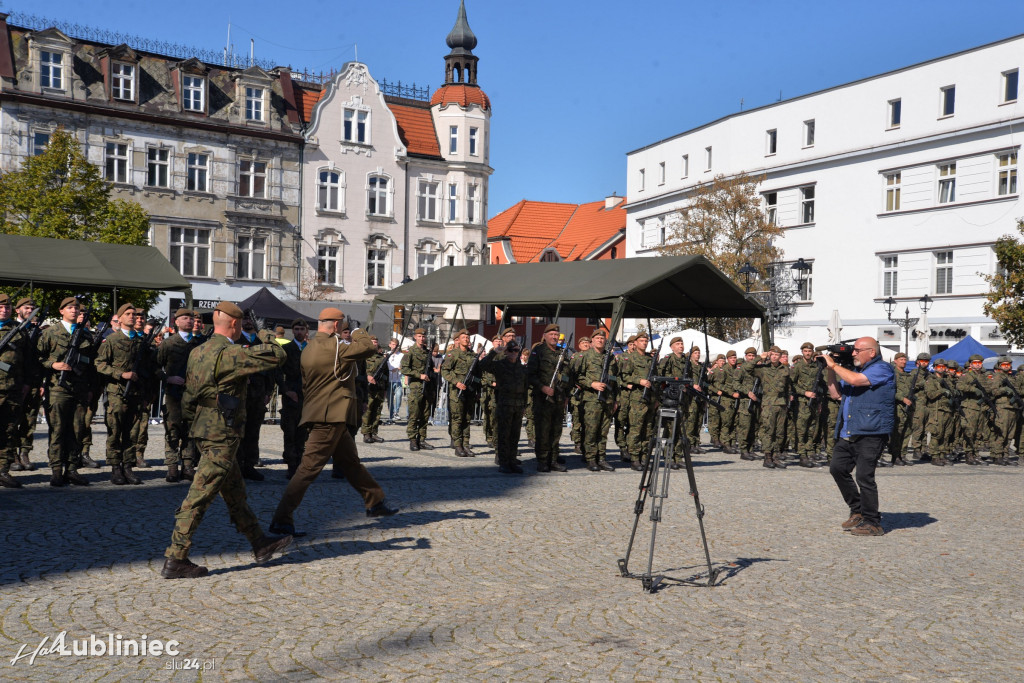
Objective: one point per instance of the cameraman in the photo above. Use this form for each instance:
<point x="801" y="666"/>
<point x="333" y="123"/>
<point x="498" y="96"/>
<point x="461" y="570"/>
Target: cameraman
<point x="868" y="395"/>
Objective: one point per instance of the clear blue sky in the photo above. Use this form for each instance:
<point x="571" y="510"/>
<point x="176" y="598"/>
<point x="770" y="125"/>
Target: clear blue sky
<point x="575" y="84"/>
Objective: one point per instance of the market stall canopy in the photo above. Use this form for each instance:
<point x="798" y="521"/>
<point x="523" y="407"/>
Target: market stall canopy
<point x="658" y="287"/>
<point x="267" y="306"/>
<point x="44" y="261"/>
<point x="964" y="349"/>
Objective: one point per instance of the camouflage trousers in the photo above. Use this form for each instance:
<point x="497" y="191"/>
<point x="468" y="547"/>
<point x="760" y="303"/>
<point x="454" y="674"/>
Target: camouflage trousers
<point x="374" y="406"/>
<point x="940" y="430"/>
<point x="622" y="413"/>
<point x="10" y="424"/>
<point x="177" y="443"/>
<point x="641" y="417"/>
<point x="508" y="428"/>
<point x="597" y="415"/>
<point x="727" y="428"/>
<point x="576" y="410"/>
<point x="28" y="418"/>
<point x="294" y="435"/>
<point x="84" y="426"/>
<point x="1006" y="425"/>
<point x="418" y="408"/>
<point x="746" y="425"/>
<point x="64" y="416"/>
<point x="217" y="472"/>
<point x="531" y="431"/>
<point x="806" y="425"/>
<point x="460" y="411"/>
<point x="695" y="420"/>
<point x="773" y="421"/>
<point x="547" y="425"/>
<point x="140" y="432"/>
<point x="830" y="427"/>
<point x="489" y="413"/>
<point x="919" y="427"/>
<point x="122" y="419"/>
<point x="974" y="430"/>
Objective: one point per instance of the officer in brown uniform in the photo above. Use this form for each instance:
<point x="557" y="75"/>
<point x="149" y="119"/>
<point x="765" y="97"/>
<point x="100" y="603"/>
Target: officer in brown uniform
<point x="172" y="360"/>
<point x="328" y="410"/>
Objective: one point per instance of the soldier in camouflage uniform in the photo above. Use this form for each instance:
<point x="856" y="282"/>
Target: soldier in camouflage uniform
<point x="919" y="423"/>
<point x="775" y="385"/>
<point x="904" y="415"/>
<point x="548" y="401"/>
<point x="214" y="404"/>
<point x="83" y="421"/>
<point x="732" y="401"/>
<point x="417" y="366"/>
<point x="974" y="387"/>
<point x="807" y="376"/>
<point x="376" y="393"/>
<point x="576" y="396"/>
<point x="634" y="375"/>
<point x="512" y="384"/>
<point x="675" y="364"/>
<point x="35" y="378"/>
<point x="1007" y="410"/>
<point x="750" y="405"/>
<point x="598" y="400"/>
<point x="789" y="443"/>
<point x="456" y="366"/>
<point x="717" y="384"/>
<point x="172" y="361"/>
<point x="489" y="398"/>
<point x="68" y="401"/>
<point x="621" y="415"/>
<point x="257" y="396"/>
<point x="14" y="386"/>
<point x="940" y="392"/>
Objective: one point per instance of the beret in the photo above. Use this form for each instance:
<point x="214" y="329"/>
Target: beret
<point x="719" y="357"/>
<point x="183" y="312"/>
<point x="731" y="354"/>
<point x="419" y="330"/>
<point x="632" y="338"/>
<point x="125" y="307"/>
<point x="67" y="302"/>
<point x="229" y="308"/>
<point x="775" y="349"/>
<point x="4" y="299"/>
<point x="643" y="335"/>
<point x="461" y="332"/>
<point x="807" y="345"/>
<point x="584" y="338"/>
<point x="598" y="333"/>
<point x="299" y="322"/>
<point x="25" y="300"/>
<point x="331" y="313"/>
<point x="508" y="331"/>
<point x="899" y="355"/>
<point x="552" y="328"/>
<point x="750" y="349"/>
<point x="674" y="340"/>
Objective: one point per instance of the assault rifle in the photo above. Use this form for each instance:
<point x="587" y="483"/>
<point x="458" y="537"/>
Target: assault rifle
<point x="605" y="369"/>
<point x="913" y="390"/>
<point x="137" y="355"/>
<point x="1015" y="400"/>
<point x="469" y="380"/>
<point x="650" y="372"/>
<point x="702" y="395"/>
<point x="74" y="355"/>
<point x="954" y="398"/>
<point x="557" y="374"/>
<point x="383" y="368"/>
<point x="756" y="390"/>
<point x="10" y="337"/>
<point x="989" y="403"/>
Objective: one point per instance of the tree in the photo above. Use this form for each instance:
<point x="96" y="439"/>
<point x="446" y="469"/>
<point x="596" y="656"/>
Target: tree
<point x="1005" y="299"/>
<point x="726" y="223"/>
<point x="60" y="194"/>
<point x="312" y="287"/>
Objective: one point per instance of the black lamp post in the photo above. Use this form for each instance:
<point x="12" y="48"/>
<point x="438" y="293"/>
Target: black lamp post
<point x="906" y="322"/>
<point x="747" y="271"/>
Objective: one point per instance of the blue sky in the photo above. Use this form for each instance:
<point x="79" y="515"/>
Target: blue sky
<point x="576" y="84"/>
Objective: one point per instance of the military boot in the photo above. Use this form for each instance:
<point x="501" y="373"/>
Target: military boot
<point x="747" y="455"/>
<point x="182" y="569"/>
<point x="7" y="481"/>
<point x="367" y="438"/>
<point x="424" y="446"/>
<point x="972" y="459"/>
<point x="26" y="464"/>
<point x="460" y="452"/>
<point x="129" y="475"/>
<point x="16" y="465"/>
<point x="117" y="477"/>
<point x="414" y="445"/>
<point x="466" y="449"/>
<point x="88" y="461"/>
<point x="805" y="461"/>
<point x="140" y="461"/>
<point x="188" y="472"/>
<point x="73" y="477"/>
<point x="768" y="461"/>
<point x="57" y="477"/>
<point x="173" y="475"/>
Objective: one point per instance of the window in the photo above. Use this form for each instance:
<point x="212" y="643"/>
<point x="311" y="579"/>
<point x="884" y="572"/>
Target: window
<point x="472" y="142"/>
<point x="1010" y="85"/>
<point x="944" y="272"/>
<point x="193" y="93"/>
<point x="190" y="251"/>
<point x="157" y="166"/>
<point x="771" y="142"/>
<point x="890" y="264"/>
<point x="453" y="139"/>
<point x="892" y="191"/>
<point x="376" y="262"/>
<point x="686" y="165"/>
<point x="809" y="133"/>
<point x="450" y="259"/>
<point x="327" y="264"/>
<point x="117" y="162"/>
<point x="329" y="191"/>
<point x="426" y="260"/>
<point x="198" y="172"/>
<point x="661" y="173"/>
<point x="807" y="204"/>
<point x="427" y="200"/>
<point x="661" y="230"/>
<point x="472" y="204"/>
<point x="40" y="141"/>
<point x="771" y="202"/>
<point x="947" y="183"/>
<point x="253" y="104"/>
<point x="1007" y="173"/>
<point x="251" y="258"/>
<point x="895" y="113"/>
<point x="51" y="70"/>
<point x="122" y="81"/>
<point x="377" y="196"/>
<point x="707" y="158"/>
<point x="356" y="124"/>
<point x="643" y="179"/>
<point x="453" y="202"/>
<point x="947" y="101"/>
<point x="252" y="178"/>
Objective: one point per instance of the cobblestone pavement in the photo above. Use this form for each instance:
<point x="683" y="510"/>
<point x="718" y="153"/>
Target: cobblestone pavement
<point x="497" y="577"/>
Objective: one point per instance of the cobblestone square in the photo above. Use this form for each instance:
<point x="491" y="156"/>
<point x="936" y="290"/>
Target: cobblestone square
<point x="484" y="576"/>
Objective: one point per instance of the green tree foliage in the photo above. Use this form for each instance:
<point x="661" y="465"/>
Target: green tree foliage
<point x="1005" y="299"/>
<point x="725" y="222"/>
<point x="59" y="194"/>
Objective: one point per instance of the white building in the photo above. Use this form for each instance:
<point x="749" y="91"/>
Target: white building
<point x="395" y="187"/>
<point x="895" y="185"/>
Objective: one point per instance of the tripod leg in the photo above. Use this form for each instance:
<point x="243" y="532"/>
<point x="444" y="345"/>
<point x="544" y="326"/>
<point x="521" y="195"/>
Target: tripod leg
<point x="712" y="572"/>
<point x="659" y="483"/>
<point x="638" y="507"/>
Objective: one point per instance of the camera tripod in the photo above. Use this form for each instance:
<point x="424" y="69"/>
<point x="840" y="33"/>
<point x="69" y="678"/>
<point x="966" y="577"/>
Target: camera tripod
<point x="654" y="484"/>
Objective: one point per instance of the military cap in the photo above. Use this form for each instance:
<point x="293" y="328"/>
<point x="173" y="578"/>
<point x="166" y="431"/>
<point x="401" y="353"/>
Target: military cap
<point x="940" y="361"/>
<point x="496" y="338"/>
<point x="67" y="302"/>
<point x="694" y="348"/>
<point x="730" y="354"/>
<point x="632" y="338"/>
<point x="1003" y="359"/>
<point x="228" y="308"/>
<point x="924" y="356"/>
<point x="419" y="330"/>
<point x="23" y="301"/>
<point x="976" y="356"/>
<point x="750" y="349"/>
<point x="598" y="333"/>
<point x="952" y="365"/>
<point x="299" y="322"/>
<point x="584" y="338"/>
<point x="643" y="335"/>
<point x="331" y="313"/>
<point x="552" y="328"/>
<point x="720" y="357"/>
<point x="125" y="307"/>
<point x="807" y="345"/>
<point x="674" y="340"/>
<point x="461" y="332"/>
<point x="183" y="312"/>
<point x="507" y="331"/>
<point x="4" y="299"/>
<point x="775" y="349"/>
<point x="899" y="355"/>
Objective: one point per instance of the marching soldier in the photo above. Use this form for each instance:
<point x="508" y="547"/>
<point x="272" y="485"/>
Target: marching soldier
<point x="775" y="389"/>
<point x="548" y="401"/>
<point x="904" y="415"/>
<point x="34" y="377"/>
<point x="68" y="398"/>
<point x="417" y="366"/>
<point x="172" y="360"/>
<point x="512" y="384"/>
<point x="598" y="400"/>
<point x="634" y="377"/>
<point x="941" y="399"/>
<point x="214" y="405"/>
<point x="257" y="396"/>
<point x="14" y="387"/>
<point x="376" y="393"/>
<point x="460" y="395"/>
<point x="576" y="396"/>
<point x="290" y="388"/>
<point x="806" y="376"/>
<point x="973" y="387"/>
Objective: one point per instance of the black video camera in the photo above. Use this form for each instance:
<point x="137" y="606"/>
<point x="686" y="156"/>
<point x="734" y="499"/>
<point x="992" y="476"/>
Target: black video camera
<point x="841" y="352"/>
<point x="672" y="389"/>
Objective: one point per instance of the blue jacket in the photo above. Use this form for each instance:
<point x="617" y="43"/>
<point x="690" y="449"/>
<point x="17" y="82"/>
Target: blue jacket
<point x="869" y="410"/>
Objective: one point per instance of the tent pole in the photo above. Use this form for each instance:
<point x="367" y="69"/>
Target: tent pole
<point x="766" y="340"/>
<point x="373" y="311"/>
<point x="617" y="310"/>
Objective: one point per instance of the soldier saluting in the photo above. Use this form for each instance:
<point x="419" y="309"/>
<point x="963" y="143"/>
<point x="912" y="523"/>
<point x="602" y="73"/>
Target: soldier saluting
<point x="214" y="402"/>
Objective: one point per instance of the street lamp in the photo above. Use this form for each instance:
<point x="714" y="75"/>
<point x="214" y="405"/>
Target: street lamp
<point x="906" y="322"/>
<point x="747" y="271"/>
<point x="801" y="270"/>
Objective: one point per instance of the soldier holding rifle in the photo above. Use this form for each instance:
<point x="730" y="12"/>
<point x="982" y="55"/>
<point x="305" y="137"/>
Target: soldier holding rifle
<point x="14" y="387"/>
<point x="457" y="370"/>
<point x="598" y="375"/>
<point x="548" y="401"/>
<point x="417" y="367"/>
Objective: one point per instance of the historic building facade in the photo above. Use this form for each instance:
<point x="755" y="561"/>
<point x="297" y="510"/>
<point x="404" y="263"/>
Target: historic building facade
<point x="897" y="185"/>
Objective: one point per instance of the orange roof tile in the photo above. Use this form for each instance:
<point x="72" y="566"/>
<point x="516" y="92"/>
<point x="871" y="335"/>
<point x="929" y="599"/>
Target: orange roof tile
<point x="305" y="99"/>
<point x="462" y="95"/>
<point x="590" y="227"/>
<point x="416" y="128"/>
<point x="573" y="230"/>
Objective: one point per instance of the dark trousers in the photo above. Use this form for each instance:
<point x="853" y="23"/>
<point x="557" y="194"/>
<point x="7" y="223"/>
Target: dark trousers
<point x="862" y="454"/>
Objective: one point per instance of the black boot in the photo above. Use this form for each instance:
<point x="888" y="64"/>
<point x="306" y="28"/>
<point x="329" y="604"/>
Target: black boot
<point x="129" y="475"/>
<point x="468" y="452"/>
<point x="173" y="475"/>
<point x="74" y="478"/>
<point x="182" y="569"/>
<point x="460" y="452"/>
<point x="414" y="445"/>
<point x="424" y="446"/>
<point x="249" y="472"/>
<point x="117" y="477"/>
<point x="188" y="472"/>
<point x="89" y="462"/>
<point x="367" y="438"/>
<point x="57" y="477"/>
<point x="26" y="464"/>
<point x="9" y="482"/>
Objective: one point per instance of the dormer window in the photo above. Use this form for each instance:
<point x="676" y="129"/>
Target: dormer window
<point x="51" y="70"/>
<point x="122" y="81"/>
<point x="193" y="93"/>
<point x="254" y="103"/>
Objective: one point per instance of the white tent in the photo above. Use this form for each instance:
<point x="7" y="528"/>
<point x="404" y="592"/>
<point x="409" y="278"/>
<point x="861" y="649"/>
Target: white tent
<point x="693" y="338"/>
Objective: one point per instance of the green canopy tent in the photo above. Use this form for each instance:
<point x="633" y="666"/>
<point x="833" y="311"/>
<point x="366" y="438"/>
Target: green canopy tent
<point x="43" y="261"/>
<point x="660" y="287"/>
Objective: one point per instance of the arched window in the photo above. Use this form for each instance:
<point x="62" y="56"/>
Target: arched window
<point x="379" y="191"/>
<point x="330" y="190"/>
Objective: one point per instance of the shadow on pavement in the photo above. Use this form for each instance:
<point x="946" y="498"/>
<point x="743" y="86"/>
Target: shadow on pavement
<point x="906" y="520"/>
<point x="301" y="553"/>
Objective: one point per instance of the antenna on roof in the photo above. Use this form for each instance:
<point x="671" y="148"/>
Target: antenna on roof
<point x="741" y="104"/>
<point x="780" y="95"/>
<point x="227" y="45"/>
<point x="356" y="46"/>
<point x="252" y="52"/>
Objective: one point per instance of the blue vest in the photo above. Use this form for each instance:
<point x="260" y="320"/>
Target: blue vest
<point x="869" y="410"/>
